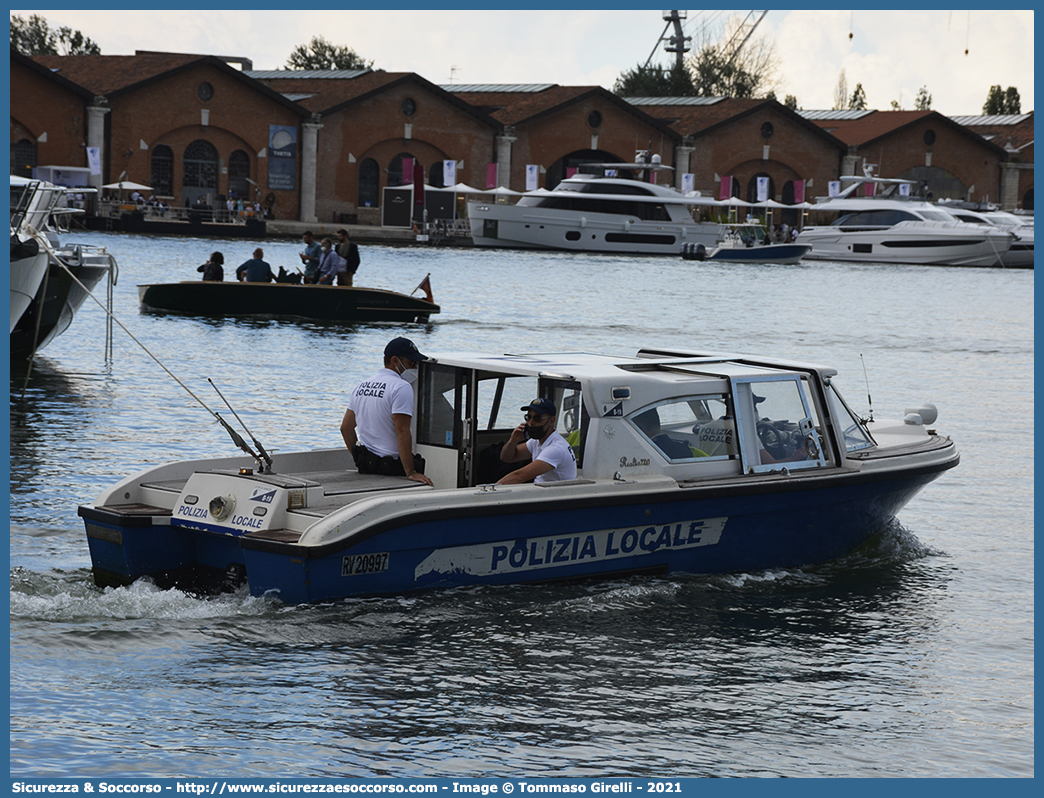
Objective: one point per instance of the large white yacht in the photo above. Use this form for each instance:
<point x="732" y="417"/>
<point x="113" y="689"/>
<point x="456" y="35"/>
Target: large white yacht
<point x="890" y="228"/>
<point x="596" y="213"/>
<point x="1020" y="256"/>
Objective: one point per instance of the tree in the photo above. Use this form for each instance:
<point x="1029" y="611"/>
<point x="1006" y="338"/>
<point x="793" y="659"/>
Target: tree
<point x="34" y="36"/>
<point x="1002" y="102"/>
<point x="896" y="106"/>
<point x="791" y="102"/>
<point x="858" y="101"/>
<point x="923" y="102"/>
<point x="718" y="69"/>
<point x="321" y="54"/>
<point x="841" y="92"/>
<point x="655" y="81"/>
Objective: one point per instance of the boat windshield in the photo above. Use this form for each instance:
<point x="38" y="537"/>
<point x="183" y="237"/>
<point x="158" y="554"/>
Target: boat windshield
<point x="853" y="432"/>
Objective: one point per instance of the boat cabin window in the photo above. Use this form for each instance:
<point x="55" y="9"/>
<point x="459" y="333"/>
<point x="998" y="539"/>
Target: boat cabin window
<point x="689" y="428"/>
<point x="851" y="429"/>
<point x="779" y="423"/>
<point x="881" y="217"/>
<point x="440" y="422"/>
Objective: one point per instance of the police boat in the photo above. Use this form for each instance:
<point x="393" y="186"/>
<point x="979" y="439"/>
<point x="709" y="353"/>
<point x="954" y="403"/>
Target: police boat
<point x="688" y="461"/>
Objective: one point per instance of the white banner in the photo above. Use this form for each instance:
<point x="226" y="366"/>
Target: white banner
<point x="94" y="160"/>
<point x="763" y="186"/>
<point x="904" y="189"/>
<point x="688" y="181"/>
<point x="532" y="176"/>
<point x="449" y="173"/>
<point x="834" y="188"/>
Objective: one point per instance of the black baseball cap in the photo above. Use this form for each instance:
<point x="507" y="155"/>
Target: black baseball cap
<point x="403" y="347"/>
<point x="542" y="405"/>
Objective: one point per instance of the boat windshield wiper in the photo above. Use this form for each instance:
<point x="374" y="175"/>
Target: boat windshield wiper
<point x="264" y="461"/>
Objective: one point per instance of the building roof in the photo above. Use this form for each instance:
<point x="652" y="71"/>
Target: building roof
<point x="114" y="75"/>
<point x="512" y="106"/>
<point x="50" y="74"/>
<point x="876" y="125"/>
<point x="105" y="74"/>
<point x="327" y="93"/>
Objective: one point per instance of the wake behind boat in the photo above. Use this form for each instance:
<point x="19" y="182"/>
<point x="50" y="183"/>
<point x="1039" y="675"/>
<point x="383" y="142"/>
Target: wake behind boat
<point x="321" y="302"/>
<point x="687" y="462"/>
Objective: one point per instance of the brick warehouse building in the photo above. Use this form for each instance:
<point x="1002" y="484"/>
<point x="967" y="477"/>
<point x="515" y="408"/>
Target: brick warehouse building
<point x="193" y="125"/>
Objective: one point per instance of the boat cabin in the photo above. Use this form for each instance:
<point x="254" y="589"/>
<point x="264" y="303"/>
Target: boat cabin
<point x="681" y="414"/>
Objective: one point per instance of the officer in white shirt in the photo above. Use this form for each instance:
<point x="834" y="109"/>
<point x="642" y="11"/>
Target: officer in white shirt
<point x="536" y="439"/>
<point x="376" y="425"/>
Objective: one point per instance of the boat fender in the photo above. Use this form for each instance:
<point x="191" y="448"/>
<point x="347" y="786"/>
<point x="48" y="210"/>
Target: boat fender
<point x="701" y="252"/>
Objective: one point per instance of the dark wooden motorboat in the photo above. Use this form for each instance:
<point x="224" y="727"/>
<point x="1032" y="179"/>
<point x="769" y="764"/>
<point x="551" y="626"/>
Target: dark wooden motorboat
<point x="321" y="302"/>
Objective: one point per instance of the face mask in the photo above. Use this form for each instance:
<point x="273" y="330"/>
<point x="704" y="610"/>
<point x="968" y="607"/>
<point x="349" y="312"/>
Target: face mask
<point x="536" y="432"/>
<point x="410" y="375"/>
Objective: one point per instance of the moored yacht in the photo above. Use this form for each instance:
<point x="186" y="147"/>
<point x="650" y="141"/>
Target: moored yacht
<point x="603" y="212"/>
<point x="1020" y="255"/>
<point x="31" y="204"/>
<point x="891" y="228"/>
<point x="687" y="461"/>
<point x="69" y="271"/>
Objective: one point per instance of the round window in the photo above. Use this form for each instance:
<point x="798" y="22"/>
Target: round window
<point x="594" y="119"/>
<point x="409" y="107"/>
<point x="767" y="130"/>
<point x="205" y="91"/>
<point x="929" y="137"/>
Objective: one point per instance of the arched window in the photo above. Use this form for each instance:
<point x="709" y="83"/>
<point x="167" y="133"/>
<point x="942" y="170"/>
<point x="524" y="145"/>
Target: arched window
<point x="395" y="177"/>
<point x="23" y="158"/>
<point x="1027" y="200"/>
<point x="238" y="172"/>
<point x="199" y="170"/>
<point x="369" y="183"/>
<point x="752" y="187"/>
<point x="162" y="180"/>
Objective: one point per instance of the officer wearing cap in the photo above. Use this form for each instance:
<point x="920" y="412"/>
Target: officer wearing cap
<point x="537" y="440"/>
<point x="376" y="425"/>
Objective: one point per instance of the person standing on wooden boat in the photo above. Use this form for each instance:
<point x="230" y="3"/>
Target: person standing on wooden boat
<point x="214" y="269"/>
<point x="376" y="425"/>
<point x="350" y="252"/>
<point x="537" y="439"/>
<point x="255" y="270"/>
<point x="310" y="257"/>
<point x="330" y="263"/>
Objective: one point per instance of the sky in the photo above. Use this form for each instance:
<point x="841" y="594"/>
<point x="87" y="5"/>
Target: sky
<point x="956" y="55"/>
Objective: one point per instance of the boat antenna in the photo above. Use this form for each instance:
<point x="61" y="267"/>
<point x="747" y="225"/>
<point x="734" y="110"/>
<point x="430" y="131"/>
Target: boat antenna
<point x="257" y="443"/>
<point x="869" y="401"/>
<point x="235" y="435"/>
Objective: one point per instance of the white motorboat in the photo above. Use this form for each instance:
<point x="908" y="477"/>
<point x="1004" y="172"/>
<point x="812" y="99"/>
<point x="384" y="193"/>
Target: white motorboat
<point x="31" y="205"/>
<point x="687" y="461"/>
<point x="1020" y="255"/>
<point x="67" y="271"/>
<point x="596" y="213"/>
<point x="747" y="243"/>
<point x="890" y="228"/>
